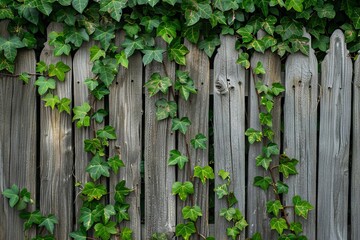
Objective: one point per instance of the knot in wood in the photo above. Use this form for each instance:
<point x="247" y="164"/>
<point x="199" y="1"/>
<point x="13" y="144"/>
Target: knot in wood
<point x="221" y="85"/>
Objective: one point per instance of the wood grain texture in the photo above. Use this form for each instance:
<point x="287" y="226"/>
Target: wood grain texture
<point x="256" y="197"/>
<point x="334" y="141"/>
<point x="56" y="151"/>
<point x="125" y="115"/>
<point x="197" y="109"/>
<point x="300" y="131"/>
<point x="229" y="127"/>
<point x="355" y="166"/>
<point x="160" y="204"/>
<point x="17" y="140"/>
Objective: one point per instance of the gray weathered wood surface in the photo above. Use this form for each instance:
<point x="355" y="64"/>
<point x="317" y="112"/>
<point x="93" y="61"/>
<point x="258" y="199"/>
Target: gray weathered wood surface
<point x="160" y="204"/>
<point x="197" y="109"/>
<point x="256" y="197"/>
<point x="125" y="115"/>
<point x="56" y="151"/>
<point x="300" y="131"/>
<point x="229" y="127"/>
<point x="355" y="172"/>
<point x="18" y="144"/>
<point x="334" y="141"/>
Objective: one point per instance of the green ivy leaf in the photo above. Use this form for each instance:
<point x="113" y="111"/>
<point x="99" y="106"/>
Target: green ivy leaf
<point x="152" y="54"/>
<point x="104" y="36"/>
<point x="31" y="218"/>
<point x="99" y="115"/>
<point x="98" y="167"/>
<point x="224" y="174"/>
<point x="49" y="222"/>
<point x="228" y="213"/>
<point x="277" y="88"/>
<point x="271" y="149"/>
<point x="182" y="189"/>
<point x="87" y="217"/>
<point x="96" y="53"/>
<point x="126" y="234"/>
<point x="105" y="231"/>
<point x="259" y="69"/>
<point x="106" y="69"/>
<point x="12" y="194"/>
<point x="297" y="5"/>
<point x="25" y="77"/>
<point x="177" y="51"/>
<point x="296" y="227"/>
<point x="51" y="100"/>
<point x="354" y="15"/>
<point x="157" y="83"/>
<point x="243" y="60"/>
<point x="256" y="236"/>
<point x="263" y="161"/>
<point x="10" y="47"/>
<point x="232" y="232"/>
<point x="221" y="190"/>
<point x="204" y="173"/>
<point x="282" y="187"/>
<point x="266" y="119"/>
<point x="209" y="45"/>
<point x="165" y="109"/>
<point x="180" y="124"/>
<point x="185" y="87"/>
<point x="121" y="192"/>
<point x="81" y="114"/>
<point x="122" y="59"/>
<point x="274" y="207"/>
<point x="76" y="36"/>
<point x="191" y="213"/>
<point x="115" y="163"/>
<point x="185" y="230"/>
<point x="287" y="166"/>
<point x="278" y="224"/>
<point x="326" y="11"/>
<point x="199" y="141"/>
<point x="94" y="191"/>
<point x="44" y="84"/>
<point x="108" y="132"/>
<point x="302" y="207"/>
<point x="59" y="70"/>
<point x="262" y="182"/>
<point x="246" y="33"/>
<point x="176" y="158"/>
<point x="149" y="23"/>
<point x="113" y="7"/>
<point x="64" y="105"/>
<point x="253" y="135"/>
<point x="167" y="30"/>
<point x="79" y="5"/>
<point x="192" y="33"/>
<point x="79" y="234"/>
<point x="122" y="212"/>
<point x="241" y="224"/>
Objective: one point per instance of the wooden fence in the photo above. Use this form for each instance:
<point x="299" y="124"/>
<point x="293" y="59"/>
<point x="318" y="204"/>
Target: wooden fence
<point x="43" y="150"/>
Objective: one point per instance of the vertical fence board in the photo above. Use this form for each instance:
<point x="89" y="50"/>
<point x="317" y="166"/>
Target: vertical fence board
<point x="229" y="127"/>
<point x="160" y="204"/>
<point x="334" y="141"/>
<point x="17" y="140"/>
<point x="56" y="151"/>
<point x="355" y="166"/>
<point x="197" y="109"/>
<point x="125" y="112"/>
<point x="256" y="198"/>
<point x="300" y="132"/>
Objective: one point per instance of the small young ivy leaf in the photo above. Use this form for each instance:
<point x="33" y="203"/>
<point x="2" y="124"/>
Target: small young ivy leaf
<point x="108" y="132"/>
<point x="282" y="187"/>
<point x="98" y="167"/>
<point x="12" y="194"/>
<point x="224" y="174"/>
<point x="49" y="223"/>
<point x="228" y="213"/>
<point x="94" y="191"/>
<point x="24" y="199"/>
<point x="115" y="163"/>
<point x="191" y="213"/>
<point x="78" y="234"/>
<point x="243" y="60"/>
<point x="262" y="182"/>
<point x="106" y="70"/>
<point x="259" y="69"/>
<point x="231" y="199"/>
<point x="261" y="87"/>
<point x="31" y="218"/>
<point x="81" y="114"/>
<point x="185" y="88"/>
<point x="274" y="207"/>
<point x="265" y="119"/>
<point x="246" y="33"/>
<point x="287" y="166"/>
<point x="277" y="88"/>
<point x="253" y="135"/>
<point x="209" y="45"/>
<point x="99" y="115"/>
<point x="241" y="224"/>
<point x="221" y="190"/>
<point x="64" y="105"/>
<point x="126" y="233"/>
<point x="232" y="232"/>
<point x="100" y="91"/>
<point x="157" y="83"/>
<point x="122" y="212"/>
<point x="107" y="212"/>
<point x="177" y="51"/>
<point x="25" y="77"/>
<point x="121" y="192"/>
<point x="204" y="173"/>
<point x="185" y="230"/>
<point x="176" y="158"/>
<point x="302" y="207"/>
<point x="182" y="189"/>
<point x="199" y="141"/>
<point x="93" y="145"/>
<point x="105" y="231"/>
<point x="271" y="149"/>
<point x="96" y="53"/>
<point x="59" y="70"/>
<point x="91" y="83"/>
<point x="278" y="224"/>
<point x="296" y="227"/>
<point x="165" y="109"/>
<point x="45" y="84"/>
<point x="152" y="54"/>
<point x="51" y="100"/>
<point x="180" y="124"/>
<point x="263" y="161"/>
<point x="87" y="217"/>
<point x="269" y="133"/>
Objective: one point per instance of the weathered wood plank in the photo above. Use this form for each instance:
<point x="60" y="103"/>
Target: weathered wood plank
<point x="256" y="198"/>
<point x="125" y="115"/>
<point x="355" y="166"/>
<point x="160" y="204"/>
<point x="17" y="140"/>
<point x="300" y="131"/>
<point x="197" y="109"/>
<point x="56" y="151"/>
<point x="229" y="127"/>
<point x="334" y="141"/>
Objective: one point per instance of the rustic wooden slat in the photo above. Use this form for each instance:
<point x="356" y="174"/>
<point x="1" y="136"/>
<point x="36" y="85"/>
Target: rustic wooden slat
<point x="257" y="217"/>
<point x="197" y="109"/>
<point x="300" y="131"/>
<point x="56" y="151"/>
<point x="17" y="140"/>
<point x="160" y="204"/>
<point x="355" y="166"/>
<point x="229" y="127"/>
<point x="334" y="141"/>
<point x="125" y="114"/>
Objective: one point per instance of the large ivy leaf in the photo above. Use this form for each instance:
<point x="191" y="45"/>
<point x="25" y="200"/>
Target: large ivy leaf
<point x="165" y="109"/>
<point x="185" y="230"/>
<point x="87" y="217"/>
<point x="94" y="191"/>
<point x="157" y="83"/>
<point x="98" y="167"/>
<point x="177" y="51"/>
<point x="105" y="231"/>
<point x="204" y="173"/>
<point x="302" y="207"/>
<point x="167" y="30"/>
<point x="278" y="224"/>
<point x="76" y="36"/>
<point x="79" y="5"/>
<point x="182" y="189"/>
<point x="289" y="28"/>
<point x="44" y="84"/>
<point x="191" y="213"/>
<point x="150" y="23"/>
<point x="152" y="54"/>
<point x="180" y="124"/>
<point x="131" y="45"/>
<point x="31" y="218"/>
<point x="107" y="69"/>
<point x="104" y="36"/>
<point x="121" y="192"/>
<point x="49" y="223"/>
<point x="81" y="115"/>
<point x="58" y="70"/>
<point x="287" y="166"/>
<point x="10" y="47"/>
<point x="44" y="6"/>
<point x="122" y="212"/>
<point x="96" y="53"/>
<point x="176" y="158"/>
<point x="113" y="7"/>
